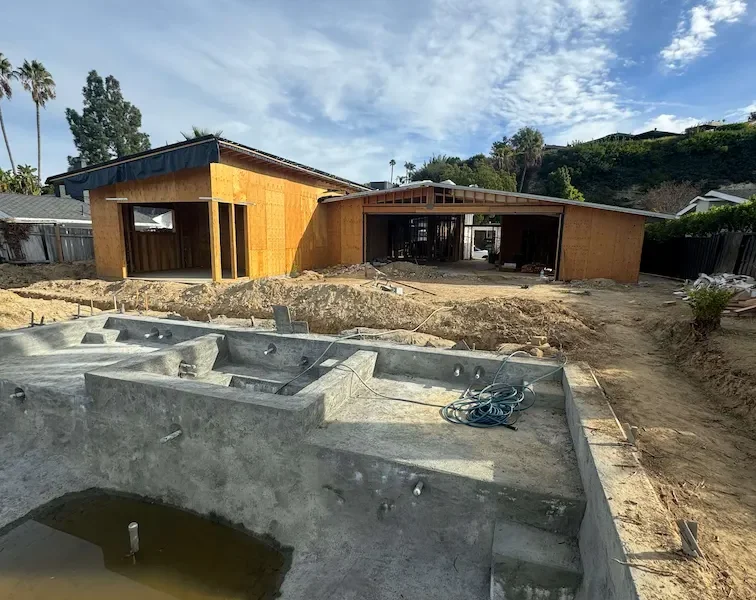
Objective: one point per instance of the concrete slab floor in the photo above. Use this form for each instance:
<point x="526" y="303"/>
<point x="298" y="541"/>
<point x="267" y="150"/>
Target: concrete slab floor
<point x="63" y="368"/>
<point x="538" y="456"/>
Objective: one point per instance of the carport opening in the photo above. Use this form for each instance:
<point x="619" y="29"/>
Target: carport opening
<point x="167" y="240"/>
<point x="529" y="241"/>
<point x="422" y="238"/>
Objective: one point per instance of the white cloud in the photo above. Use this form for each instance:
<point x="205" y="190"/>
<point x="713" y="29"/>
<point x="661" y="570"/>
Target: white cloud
<point x="669" y="123"/>
<point x="339" y="85"/>
<point x="698" y="27"/>
<point x="741" y="114"/>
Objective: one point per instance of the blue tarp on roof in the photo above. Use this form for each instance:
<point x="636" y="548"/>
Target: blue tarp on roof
<point x="152" y="163"/>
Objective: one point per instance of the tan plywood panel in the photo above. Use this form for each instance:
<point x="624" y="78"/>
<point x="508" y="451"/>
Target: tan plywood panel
<point x="286" y="228"/>
<point x="107" y="234"/>
<point x="601" y="243"/>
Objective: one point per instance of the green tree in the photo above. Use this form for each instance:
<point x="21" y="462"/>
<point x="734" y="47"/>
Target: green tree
<point x="392" y="163"/>
<point x="410" y="169"/>
<point x="198" y="132"/>
<point x="108" y="126"/>
<point x="559" y="185"/>
<point x="37" y="80"/>
<point x="6" y="91"/>
<point x="23" y="181"/>
<point x="476" y="170"/>
<point x="752" y="117"/>
<point x="503" y="155"/>
<point x="528" y="145"/>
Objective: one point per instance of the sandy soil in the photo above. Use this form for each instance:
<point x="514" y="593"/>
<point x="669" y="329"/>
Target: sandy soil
<point x="692" y="399"/>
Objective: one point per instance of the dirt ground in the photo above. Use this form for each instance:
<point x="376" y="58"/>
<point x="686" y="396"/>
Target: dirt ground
<point x="694" y="400"/>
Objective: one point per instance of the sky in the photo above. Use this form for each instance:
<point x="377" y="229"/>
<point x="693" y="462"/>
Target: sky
<point x="346" y="86"/>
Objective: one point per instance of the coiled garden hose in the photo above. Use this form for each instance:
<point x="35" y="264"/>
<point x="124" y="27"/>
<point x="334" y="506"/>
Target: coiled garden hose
<point x="494" y="405"/>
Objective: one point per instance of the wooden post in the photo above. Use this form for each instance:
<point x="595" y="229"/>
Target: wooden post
<point x="232" y="238"/>
<point x="59" y="243"/>
<point x="215" y="251"/>
<point x="247" y="242"/>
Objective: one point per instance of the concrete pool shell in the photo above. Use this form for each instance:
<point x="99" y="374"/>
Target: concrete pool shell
<point x="328" y="469"/>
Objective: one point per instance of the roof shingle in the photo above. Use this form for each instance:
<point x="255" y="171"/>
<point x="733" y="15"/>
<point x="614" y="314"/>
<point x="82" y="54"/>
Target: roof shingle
<point x="23" y="206"/>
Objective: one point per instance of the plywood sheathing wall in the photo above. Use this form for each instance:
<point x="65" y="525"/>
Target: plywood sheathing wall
<point x="107" y="221"/>
<point x="345" y="231"/>
<point x="286" y="227"/>
<point x="601" y="243"/>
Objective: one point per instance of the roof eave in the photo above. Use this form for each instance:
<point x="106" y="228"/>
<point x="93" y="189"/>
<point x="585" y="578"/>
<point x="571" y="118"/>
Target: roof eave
<point x="633" y="211"/>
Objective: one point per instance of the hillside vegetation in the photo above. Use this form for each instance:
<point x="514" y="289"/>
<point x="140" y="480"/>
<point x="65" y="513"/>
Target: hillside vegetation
<point x="620" y="172"/>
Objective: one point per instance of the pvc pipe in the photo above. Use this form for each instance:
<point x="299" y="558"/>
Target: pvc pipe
<point x="134" y="537"/>
<point x="170" y="436"/>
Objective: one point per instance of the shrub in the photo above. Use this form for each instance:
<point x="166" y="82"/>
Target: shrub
<point x="707" y="304"/>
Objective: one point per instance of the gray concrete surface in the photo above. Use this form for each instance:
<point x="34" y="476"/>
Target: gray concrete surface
<point x="614" y="481"/>
<point x="328" y="470"/>
<point x="531" y="563"/>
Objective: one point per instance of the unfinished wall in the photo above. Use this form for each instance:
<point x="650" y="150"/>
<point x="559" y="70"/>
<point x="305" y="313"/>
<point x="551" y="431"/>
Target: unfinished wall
<point x="187" y="246"/>
<point x="107" y="219"/>
<point x="345" y="234"/>
<point x="286" y="228"/>
<point x="377" y="236"/>
<point x="601" y="243"/>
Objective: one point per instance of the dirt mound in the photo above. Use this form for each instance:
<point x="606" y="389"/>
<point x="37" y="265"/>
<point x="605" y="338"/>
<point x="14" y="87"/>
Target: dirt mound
<point x="723" y="361"/>
<point x="331" y="308"/>
<point x="15" y="311"/>
<point x="14" y="276"/>
<point x="346" y="270"/>
<point x="309" y="276"/>
<point x="598" y="283"/>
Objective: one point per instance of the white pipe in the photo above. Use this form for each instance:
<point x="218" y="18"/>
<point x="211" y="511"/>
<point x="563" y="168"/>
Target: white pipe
<point x="170" y="436"/>
<point x="134" y="537"/>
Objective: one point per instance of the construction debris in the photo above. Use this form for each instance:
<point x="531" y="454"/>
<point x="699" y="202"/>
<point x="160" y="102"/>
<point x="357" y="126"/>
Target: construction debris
<point x="742" y="286"/>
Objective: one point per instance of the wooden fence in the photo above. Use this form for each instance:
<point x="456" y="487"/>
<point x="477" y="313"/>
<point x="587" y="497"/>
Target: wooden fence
<point x="733" y="252"/>
<point x="49" y="243"/>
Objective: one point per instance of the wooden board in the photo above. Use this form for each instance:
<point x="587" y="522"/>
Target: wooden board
<point x="107" y="235"/>
<point x="286" y="227"/>
<point x="345" y="232"/>
<point x="458" y="209"/>
<point x="601" y="243"/>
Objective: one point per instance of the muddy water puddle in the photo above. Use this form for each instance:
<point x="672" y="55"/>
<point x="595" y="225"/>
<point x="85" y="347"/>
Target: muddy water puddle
<point x="80" y="549"/>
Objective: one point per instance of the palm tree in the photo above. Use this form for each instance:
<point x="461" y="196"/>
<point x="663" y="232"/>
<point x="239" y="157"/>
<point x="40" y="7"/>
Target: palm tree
<point x="198" y="132"/>
<point x="6" y="74"/>
<point x="392" y="162"/>
<point x="37" y="80"/>
<point x="410" y="169"/>
<point x="528" y="144"/>
<point x="502" y="154"/>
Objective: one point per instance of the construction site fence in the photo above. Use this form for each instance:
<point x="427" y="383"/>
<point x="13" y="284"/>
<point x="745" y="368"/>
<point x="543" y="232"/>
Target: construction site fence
<point x="685" y="258"/>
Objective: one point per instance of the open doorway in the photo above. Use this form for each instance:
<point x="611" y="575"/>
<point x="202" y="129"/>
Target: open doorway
<point x="240" y="221"/>
<point x="167" y="241"/>
<point x="424" y="238"/>
<point x="233" y="239"/>
<point x="529" y="243"/>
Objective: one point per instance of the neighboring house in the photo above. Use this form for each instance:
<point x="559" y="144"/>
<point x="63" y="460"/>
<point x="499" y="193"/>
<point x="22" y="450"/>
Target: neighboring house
<point x="480" y="237"/>
<point x="44" y="229"/>
<point x="721" y="197"/>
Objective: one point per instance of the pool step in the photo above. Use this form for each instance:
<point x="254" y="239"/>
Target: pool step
<point x="101" y="336"/>
<point x="549" y="394"/>
<point x="531" y="563"/>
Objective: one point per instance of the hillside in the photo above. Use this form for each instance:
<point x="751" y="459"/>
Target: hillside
<point x="620" y="172"/>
